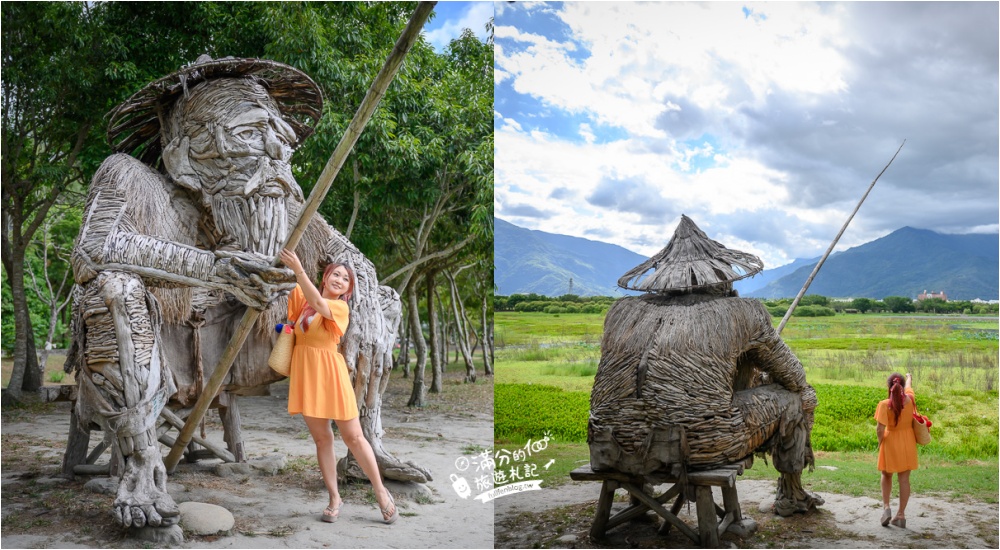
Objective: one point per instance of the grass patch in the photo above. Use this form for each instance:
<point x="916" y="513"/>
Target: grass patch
<point x="855" y="474"/>
<point x="523" y="412"/>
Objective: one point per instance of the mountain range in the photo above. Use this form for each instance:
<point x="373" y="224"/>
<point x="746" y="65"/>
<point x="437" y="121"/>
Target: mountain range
<point x="905" y="262"/>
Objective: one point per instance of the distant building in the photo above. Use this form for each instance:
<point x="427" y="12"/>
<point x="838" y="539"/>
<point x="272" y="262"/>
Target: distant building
<point x="925" y="295"/>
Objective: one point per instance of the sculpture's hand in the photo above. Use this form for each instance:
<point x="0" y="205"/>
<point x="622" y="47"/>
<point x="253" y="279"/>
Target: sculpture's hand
<point x="252" y="278"/>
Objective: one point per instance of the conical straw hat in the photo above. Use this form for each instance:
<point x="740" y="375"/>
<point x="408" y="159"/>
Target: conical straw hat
<point x="690" y="260"/>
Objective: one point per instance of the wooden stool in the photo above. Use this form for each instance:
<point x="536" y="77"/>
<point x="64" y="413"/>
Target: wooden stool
<point x="713" y="520"/>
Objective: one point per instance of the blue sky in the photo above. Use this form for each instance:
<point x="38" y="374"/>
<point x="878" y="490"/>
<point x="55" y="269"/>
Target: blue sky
<point x="763" y="122"/>
<point x="450" y="18"/>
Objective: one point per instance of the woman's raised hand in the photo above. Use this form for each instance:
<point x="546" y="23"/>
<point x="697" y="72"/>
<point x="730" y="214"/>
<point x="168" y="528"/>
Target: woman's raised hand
<point x="290" y="259"/>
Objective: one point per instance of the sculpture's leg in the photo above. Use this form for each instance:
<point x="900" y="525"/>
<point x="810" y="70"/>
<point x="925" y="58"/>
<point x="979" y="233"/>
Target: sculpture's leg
<point x="123" y="387"/>
<point x="790" y="448"/>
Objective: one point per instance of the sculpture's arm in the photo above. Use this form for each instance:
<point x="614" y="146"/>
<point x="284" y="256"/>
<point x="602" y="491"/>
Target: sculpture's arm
<point x="774" y="356"/>
<point x="129" y="225"/>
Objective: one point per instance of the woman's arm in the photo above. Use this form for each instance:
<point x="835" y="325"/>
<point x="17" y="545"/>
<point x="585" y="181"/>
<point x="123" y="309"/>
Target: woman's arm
<point x="309" y="290"/>
<point x="909" y="382"/>
<point x="880" y="431"/>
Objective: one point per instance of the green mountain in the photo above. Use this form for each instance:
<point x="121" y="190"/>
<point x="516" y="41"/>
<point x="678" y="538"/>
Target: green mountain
<point x="544" y="263"/>
<point x="906" y="262"/>
<point x="903" y="263"/>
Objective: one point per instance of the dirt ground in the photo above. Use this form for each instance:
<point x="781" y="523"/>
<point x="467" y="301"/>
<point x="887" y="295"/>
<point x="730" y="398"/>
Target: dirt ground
<point x="560" y="517"/>
<point x="42" y="510"/>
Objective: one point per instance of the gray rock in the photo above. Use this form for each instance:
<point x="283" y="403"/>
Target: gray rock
<point x="567" y="539"/>
<point x="230" y="469"/>
<point x="743" y="528"/>
<point x="200" y="518"/>
<point x="767" y="506"/>
<point x="51" y="480"/>
<point x="161" y="536"/>
<point x="102" y="485"/>
<point x="269" y="465"/>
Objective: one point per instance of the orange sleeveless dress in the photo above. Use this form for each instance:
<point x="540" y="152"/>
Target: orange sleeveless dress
<point x="318" y="382"/>
<point x="898" y="452"/>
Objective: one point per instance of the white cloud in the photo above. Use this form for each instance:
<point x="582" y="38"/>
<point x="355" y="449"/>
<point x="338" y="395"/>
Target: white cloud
<point x="474" y="18"/>
<point x="797" y="107"/>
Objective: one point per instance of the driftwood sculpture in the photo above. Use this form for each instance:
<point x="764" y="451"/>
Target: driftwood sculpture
<point x="179" y="236"/>
<point x="692" y="377"/>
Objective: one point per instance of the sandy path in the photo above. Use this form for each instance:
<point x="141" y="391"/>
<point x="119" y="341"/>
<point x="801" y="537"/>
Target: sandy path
<point x="843" y="522"/>
<point x="280" y="511"/>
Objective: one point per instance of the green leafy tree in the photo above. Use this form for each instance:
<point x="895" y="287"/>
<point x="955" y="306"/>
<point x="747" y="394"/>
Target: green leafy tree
<point x="863" y="305"/>
<point x="898" y="304"/>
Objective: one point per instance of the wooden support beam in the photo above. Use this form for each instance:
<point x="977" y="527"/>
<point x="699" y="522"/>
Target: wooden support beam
<point x="663" y="512"/>
<point x="176" y="422"/>
<point x="707" y="526"/>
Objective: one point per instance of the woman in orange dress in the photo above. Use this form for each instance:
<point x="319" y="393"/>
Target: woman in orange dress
<point x="897" y="445"/>
<point x="319" y="385"/>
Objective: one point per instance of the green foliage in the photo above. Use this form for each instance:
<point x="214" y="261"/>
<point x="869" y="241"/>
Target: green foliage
<point x="863" y="305"/>
<point x="813" y="311"/>
<point x="814" y="300"/>
<point x="523" y="412"/>
<point x="898" y="304"/>
<point x="567" y="303"/>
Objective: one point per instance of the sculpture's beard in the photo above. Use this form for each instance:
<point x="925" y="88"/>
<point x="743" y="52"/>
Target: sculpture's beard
<point x="257" y="223"/>
<point x="253" y="211"/>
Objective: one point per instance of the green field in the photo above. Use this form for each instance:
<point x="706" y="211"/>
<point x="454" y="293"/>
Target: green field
<point x="545" y="366"/>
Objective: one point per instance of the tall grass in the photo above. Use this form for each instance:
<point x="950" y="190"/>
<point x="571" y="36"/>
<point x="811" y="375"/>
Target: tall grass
<point x="846" y="358"/>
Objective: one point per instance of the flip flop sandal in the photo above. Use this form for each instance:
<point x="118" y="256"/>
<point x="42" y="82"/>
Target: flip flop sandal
<point x="386" y="518"/>
<point x="886" y="516"/>
<point x="899" y="522"/>
<point x="334" y="513"/>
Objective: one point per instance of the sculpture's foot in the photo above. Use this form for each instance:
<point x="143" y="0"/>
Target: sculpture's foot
<point x="142" y="494"/>
<point x="391" y="467"/>
<point x="792" y="498"/>
<point x="160" y="536"/>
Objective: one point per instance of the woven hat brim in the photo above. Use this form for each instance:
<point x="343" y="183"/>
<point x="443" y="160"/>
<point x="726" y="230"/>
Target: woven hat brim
<point x="690" y="260"/>
<point x="134" y="126"/>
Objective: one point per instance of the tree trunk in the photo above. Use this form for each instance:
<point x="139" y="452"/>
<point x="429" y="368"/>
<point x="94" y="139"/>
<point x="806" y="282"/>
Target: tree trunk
<point x="26" y="376"/>
<point x="461" y="333"/>
<point x="487" y="339"/>
<point x="432" y="324"/>
<point x="403" y="359"/>
<point x="417" y="396"/>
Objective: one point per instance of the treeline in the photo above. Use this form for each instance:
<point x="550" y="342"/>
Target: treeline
<point x="811" y="305"/>
<point x="814" y="305"/>
<point x="567" y="303"/>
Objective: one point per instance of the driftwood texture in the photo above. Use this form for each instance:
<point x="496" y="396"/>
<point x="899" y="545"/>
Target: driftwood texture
<point x="681" y="386"/>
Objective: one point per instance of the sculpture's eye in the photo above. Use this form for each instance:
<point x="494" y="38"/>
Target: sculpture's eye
<point x="247" y="134"/>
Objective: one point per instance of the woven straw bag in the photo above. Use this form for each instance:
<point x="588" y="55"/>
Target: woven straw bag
<point x="281" y="355"/>
<point x="921" y="426"/>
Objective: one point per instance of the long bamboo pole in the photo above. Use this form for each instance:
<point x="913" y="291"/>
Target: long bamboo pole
<point x="333" y="166"/>
<point x="795" y="302"/>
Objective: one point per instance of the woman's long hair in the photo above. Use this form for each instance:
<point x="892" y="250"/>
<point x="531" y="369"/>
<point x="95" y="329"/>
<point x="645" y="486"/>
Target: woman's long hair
<point x="308" y="311"/>
<point x="896" y="397"/>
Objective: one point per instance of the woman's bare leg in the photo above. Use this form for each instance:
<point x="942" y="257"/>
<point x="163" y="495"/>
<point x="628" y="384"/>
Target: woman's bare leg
<point x="886" y="488"/>
<point x="904" y="492"/>
<point x="322" y="435"/>
<point x="354" y="438"/>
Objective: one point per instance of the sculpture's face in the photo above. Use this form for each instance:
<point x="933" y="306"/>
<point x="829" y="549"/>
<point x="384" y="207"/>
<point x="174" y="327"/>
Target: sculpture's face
<point x="236" y="149"/>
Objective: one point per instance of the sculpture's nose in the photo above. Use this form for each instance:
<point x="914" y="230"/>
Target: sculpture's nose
<point x="276" y="148"/>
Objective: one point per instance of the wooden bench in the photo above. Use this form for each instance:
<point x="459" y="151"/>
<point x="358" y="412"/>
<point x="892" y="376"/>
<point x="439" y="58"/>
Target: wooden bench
<point x="713" y="520"/>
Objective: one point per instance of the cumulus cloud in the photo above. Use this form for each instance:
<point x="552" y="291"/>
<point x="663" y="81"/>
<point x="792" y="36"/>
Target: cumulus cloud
<point x="767" y="124"/>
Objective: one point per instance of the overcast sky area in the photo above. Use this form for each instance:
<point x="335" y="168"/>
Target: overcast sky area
<point x="764" y="123"/>
<point x="449" y="19"/>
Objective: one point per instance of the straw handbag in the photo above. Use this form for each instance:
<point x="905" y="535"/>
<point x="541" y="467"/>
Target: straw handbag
<point x="281" y="355"/>
<point x="921" y="426"/>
